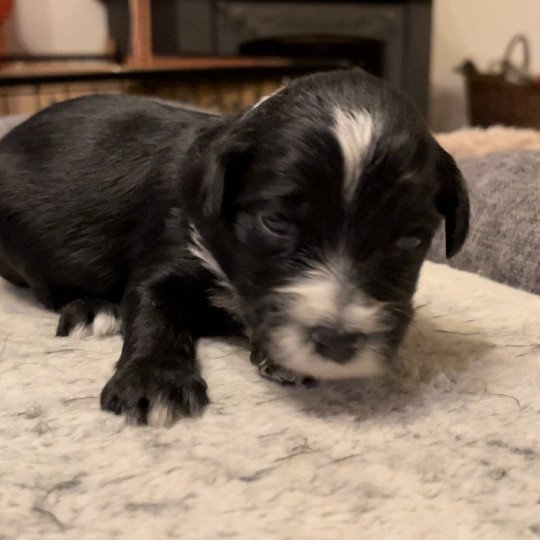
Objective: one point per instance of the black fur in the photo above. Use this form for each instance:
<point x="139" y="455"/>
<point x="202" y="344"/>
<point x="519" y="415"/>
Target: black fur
<point x="99" y="197"/>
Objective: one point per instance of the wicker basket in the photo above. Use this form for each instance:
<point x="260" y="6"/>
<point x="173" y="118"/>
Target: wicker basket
<point x="509" y="97"/>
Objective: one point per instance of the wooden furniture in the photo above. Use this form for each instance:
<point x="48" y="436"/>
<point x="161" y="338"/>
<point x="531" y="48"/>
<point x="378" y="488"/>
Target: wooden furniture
<point x="5" y="10"/>
<point x="220" y="84"/>
<point x="400" y="31"/>
<point x="140" y="33"/>
<point x="227" y="84"/>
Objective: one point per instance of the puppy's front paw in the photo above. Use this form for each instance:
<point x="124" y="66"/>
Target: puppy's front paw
<point x="156" y="392"/>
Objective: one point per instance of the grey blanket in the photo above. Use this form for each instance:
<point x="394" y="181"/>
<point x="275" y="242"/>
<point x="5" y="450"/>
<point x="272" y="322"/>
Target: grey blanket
<point x="504" y="239"/>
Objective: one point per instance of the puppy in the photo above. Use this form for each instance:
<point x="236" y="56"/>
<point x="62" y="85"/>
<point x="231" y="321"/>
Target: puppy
<point x="302" y="223"/>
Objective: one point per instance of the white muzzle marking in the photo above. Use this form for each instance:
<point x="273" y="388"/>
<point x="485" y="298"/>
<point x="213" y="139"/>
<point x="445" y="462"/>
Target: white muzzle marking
<point x="326" y="296"/>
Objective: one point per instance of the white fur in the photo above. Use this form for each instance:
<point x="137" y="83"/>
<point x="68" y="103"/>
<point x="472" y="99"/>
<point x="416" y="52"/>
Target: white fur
<point x="105" y="324"/>
<point x="264" y="98"/>
<point x="326" y="296"/>
<point x="201" y="252"/>
<point x="80" y="331"/>
<point x="294" y="351"/>
<point x="160" y="415"/>
<point x="355" y="132"/>
<point x="227" y="297"/>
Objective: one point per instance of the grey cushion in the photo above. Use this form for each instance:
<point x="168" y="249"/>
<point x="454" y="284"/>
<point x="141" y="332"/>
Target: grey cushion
<point x="504" y="238"/>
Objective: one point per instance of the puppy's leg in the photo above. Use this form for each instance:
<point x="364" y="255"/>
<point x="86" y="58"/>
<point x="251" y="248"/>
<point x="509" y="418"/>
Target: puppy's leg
<point x="10" y="274"/>
<point x="157" y="379"/>
<point x="89" y="316"/>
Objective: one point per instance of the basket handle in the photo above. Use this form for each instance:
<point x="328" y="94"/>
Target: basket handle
<point x="507" y="64"/>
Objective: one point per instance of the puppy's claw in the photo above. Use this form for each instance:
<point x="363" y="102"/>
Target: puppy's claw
<point x="272" y="372"/>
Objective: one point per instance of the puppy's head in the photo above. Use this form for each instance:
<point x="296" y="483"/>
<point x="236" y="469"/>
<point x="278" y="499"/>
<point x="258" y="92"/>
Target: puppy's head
<point x="318" y="207"/>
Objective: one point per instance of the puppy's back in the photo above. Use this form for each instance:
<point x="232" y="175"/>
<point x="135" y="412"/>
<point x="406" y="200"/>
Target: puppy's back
<point x="77" y="180"/>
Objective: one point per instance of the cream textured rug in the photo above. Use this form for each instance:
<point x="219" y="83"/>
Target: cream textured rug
<point x="456" y="455"/>
<point x="476" y="142"/>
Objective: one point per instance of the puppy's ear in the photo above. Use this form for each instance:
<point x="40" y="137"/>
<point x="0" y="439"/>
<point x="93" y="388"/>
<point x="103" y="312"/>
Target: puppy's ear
<point x="452" y="202"/>
<point x="223" y="167"/>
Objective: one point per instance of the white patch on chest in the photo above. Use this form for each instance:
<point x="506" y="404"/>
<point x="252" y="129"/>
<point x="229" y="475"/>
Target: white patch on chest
<point x="225" y="295"/>
<point x="354" y="131"/>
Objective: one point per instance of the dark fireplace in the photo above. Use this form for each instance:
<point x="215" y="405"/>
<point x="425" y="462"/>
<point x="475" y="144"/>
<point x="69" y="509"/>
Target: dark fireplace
<point x="330" y="49"/>
<point x="389" y="38"/>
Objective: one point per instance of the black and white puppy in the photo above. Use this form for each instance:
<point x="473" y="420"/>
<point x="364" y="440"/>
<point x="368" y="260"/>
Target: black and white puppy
<point x="303" y="223"/>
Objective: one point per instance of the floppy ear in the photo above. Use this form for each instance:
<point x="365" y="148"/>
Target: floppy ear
<point x="452" y="201"/>
<point x="214" y="173"/>
<point x="225" y="162"/>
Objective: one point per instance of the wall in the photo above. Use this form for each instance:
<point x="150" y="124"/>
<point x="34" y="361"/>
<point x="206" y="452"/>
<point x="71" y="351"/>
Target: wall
<point x="57" y="27"/>
<point x="476" y="29"/>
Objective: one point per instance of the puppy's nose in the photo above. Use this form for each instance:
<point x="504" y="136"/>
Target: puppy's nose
<point x="335" y="345"/>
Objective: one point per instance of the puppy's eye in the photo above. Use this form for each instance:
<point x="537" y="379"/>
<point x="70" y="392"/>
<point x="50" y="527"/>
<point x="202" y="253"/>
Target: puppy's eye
<point x="276" y="224"/>
<point x="408" y="243"/>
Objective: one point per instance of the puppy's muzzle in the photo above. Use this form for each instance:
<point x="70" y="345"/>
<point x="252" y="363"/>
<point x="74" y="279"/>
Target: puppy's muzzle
<point x="333" y="344"/>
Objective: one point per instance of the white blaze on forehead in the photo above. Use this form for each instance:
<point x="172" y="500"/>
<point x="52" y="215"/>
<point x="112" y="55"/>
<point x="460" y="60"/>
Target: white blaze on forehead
<point x="355" y="132"/>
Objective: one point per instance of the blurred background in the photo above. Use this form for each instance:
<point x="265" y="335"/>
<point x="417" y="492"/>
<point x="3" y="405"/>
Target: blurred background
<point x="225" y="55"/>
